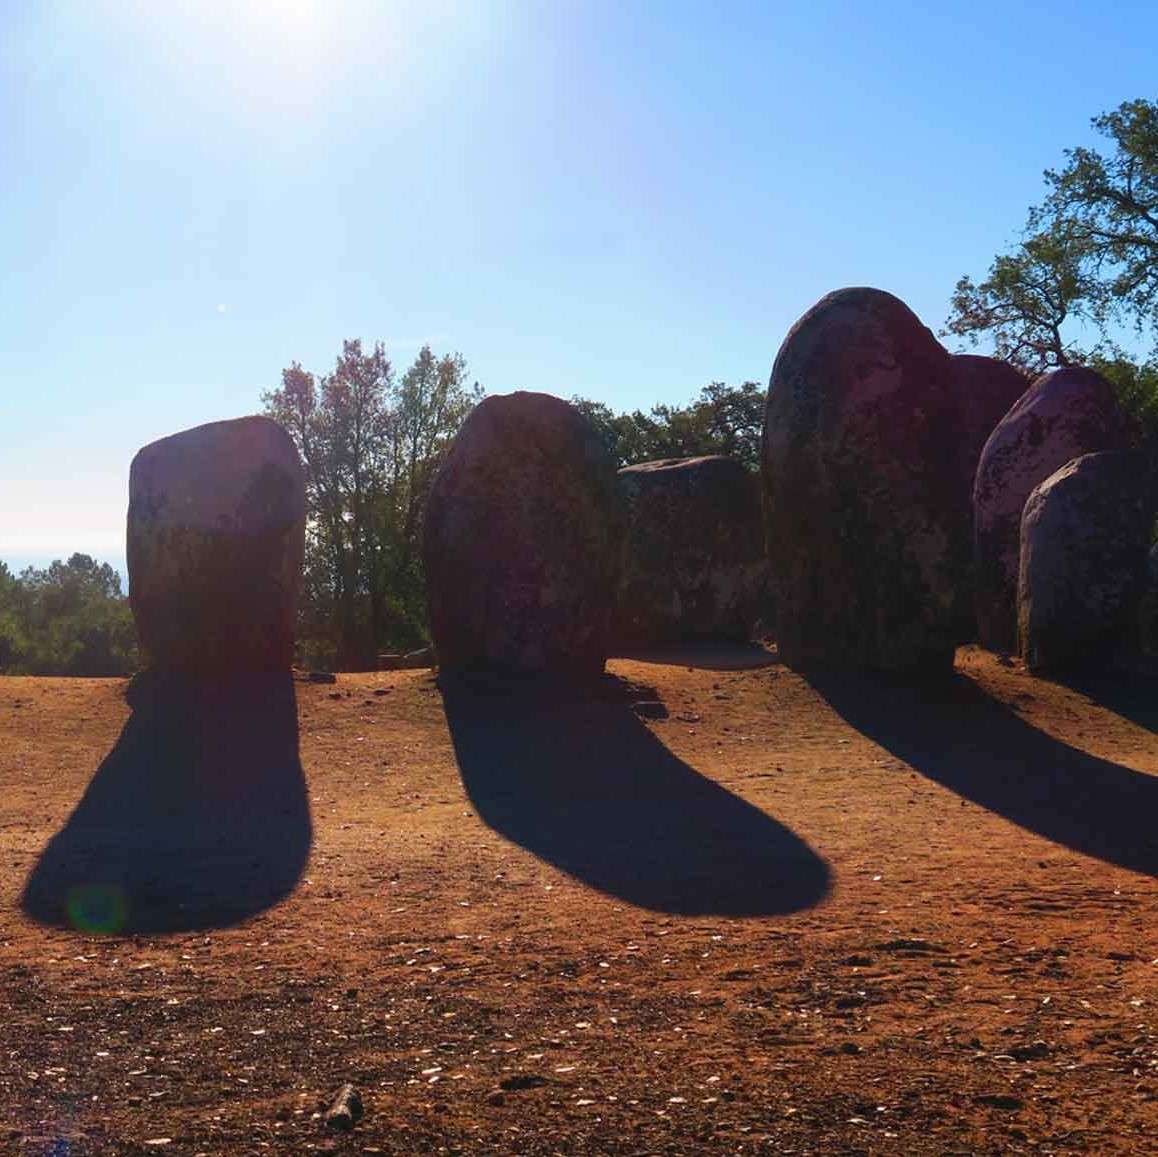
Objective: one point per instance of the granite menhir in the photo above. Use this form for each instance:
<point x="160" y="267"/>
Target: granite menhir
<point x="522" y="541"/>
<point x="1085" y="536"/>
<point x="1065" y="413"/>
<point x="867" y="529"/>
<point x="986" y="390"/>
<point x="1148" y="616"/>
<point x="693" y="565"/>
<point x="216" y="535"/>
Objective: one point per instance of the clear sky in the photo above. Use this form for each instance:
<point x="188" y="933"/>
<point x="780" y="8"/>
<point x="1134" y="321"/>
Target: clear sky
<point x="620" y="200"/>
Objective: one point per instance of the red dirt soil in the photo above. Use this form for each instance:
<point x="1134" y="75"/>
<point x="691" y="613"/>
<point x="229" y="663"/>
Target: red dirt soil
<point x="698" y="910"/>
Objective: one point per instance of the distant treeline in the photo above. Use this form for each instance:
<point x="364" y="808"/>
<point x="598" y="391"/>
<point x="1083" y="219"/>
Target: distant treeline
<point x="721" y="420"/>
<point x="70" y="618"/>
<point x="371" y="441"/>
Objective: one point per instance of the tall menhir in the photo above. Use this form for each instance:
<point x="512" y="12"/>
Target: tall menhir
<point x="216" y="537"/>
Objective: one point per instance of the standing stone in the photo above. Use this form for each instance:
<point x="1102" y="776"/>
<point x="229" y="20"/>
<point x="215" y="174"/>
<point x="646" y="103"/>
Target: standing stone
<point x="1148" y="630"/>
<point x="522" y="541"/>
<point x="986" y="390"/>
<point x="1065" y="413"/>
<point x="1085" y="534"/>
<point x="216" y="535"/>
<point x="866" y="531"/>
<point x="693" y="562"/>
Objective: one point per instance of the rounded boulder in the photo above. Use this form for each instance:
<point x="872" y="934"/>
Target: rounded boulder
<point x="986" y="390"/>
<point x="866" y="528"/>
<point x="693" y="562"/>
<point x="1148" y="618"/>
<point x="1066" y="413"/>
<point x="522" y="540"/>
<point x="1085" y="536"/>
<point x="216" y="537"/>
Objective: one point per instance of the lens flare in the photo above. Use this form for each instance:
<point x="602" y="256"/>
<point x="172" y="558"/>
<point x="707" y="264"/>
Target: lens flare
<point x="99" y="908"/>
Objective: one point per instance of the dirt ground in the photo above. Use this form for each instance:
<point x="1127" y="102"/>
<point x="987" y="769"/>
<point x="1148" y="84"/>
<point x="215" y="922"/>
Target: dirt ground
<point x="694" y="910"/>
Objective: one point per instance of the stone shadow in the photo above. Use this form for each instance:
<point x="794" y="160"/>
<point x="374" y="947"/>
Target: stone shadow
<point x="198" y="818"/>
<point x="950" y="731"/>
<point x="573" y="776"/>
<point x="1133" y="696"/>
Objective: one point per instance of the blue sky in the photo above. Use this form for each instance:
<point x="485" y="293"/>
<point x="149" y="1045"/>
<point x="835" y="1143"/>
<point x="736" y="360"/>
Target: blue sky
<point x="623" y="201"/>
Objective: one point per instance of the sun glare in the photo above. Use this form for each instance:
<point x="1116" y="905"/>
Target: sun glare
<point x="278" y="53"/>
<point x="250" y="60"/>
<point x="276" y="68"/>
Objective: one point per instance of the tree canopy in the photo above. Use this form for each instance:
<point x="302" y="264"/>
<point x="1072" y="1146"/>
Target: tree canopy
<point x="369" y="442"/>
<point x="721" y="420"/>
<point x="67" y="619"/>
<point x="1109" y="203"/>
<point x="1086" y="269"/>
<point x="1026" y="301"/>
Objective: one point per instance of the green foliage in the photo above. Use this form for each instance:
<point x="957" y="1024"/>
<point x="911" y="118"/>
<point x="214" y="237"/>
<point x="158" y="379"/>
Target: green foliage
<point x="1137" y="388"/>
<point x="1026" y="300"/>
<point x="1109" y="201"/>
<point x="1089" y="254"/>
<point x="68" y="619"/>
<point x="370" y="444"/>
<point x="722" y="420"/>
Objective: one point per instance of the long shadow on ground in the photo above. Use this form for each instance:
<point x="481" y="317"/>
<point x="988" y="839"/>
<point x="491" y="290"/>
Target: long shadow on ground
<point x="573" y="776"/>
<point x="198" y="818"/>
<point x="1132" y="696"/>
<point x="956" y="735"/>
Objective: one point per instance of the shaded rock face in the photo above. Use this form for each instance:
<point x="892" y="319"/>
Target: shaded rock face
<point x="216" y="536"/>
<point x="522" y="541"/>
<point x="867" y="535"/>
<point x="693" y="560"/>
<point x="1064" y="414"/>
<point x="1085" y="535"/>
<point x="1149" y="609"/>
<point x="986" y="390"/>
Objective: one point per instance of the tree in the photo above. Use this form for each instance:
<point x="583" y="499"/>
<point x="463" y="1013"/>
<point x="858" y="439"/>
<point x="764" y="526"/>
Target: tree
<point x="369" y="444"/>
<point x="1026" y="301"/>
<point x="1137" y="388"/>
<point x="722" y="420"/>
<point x="11" y="631"/>
<point x="431" y="403"/>
<point x="732" y="419"/>
<point x="1088" y="259"/>
<point x="1110" y="202"/>
<point x="338" y="422"/>
<point x="68" y="619"/>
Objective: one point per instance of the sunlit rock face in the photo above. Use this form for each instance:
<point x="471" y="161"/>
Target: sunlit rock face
<point x="1064" y="414"/>
<point x="1085" y="535"/>
<point x="693" y="561"/>
<point x="216" y="535"/>
<point x="522" y="541"/>
<point x="866" y="527"/>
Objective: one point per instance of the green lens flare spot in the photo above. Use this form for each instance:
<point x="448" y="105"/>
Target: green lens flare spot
<point x="97" y="908"/>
